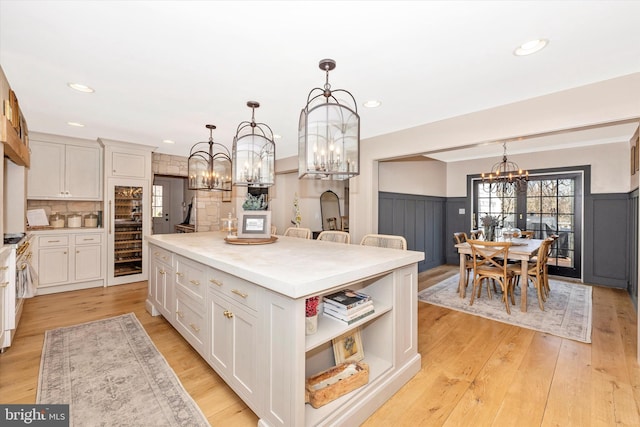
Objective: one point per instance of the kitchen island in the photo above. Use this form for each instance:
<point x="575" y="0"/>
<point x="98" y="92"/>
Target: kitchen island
<point x="242" y="307"/>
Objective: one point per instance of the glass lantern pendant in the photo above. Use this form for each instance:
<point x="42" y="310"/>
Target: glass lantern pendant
<point x="209" y="165"/>
<point x="329" y="133"/>
<point x="254" y="153"/>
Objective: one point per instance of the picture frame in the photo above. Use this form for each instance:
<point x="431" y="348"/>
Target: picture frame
<point x="254" y="224"/>
<point x="348" y="347"/>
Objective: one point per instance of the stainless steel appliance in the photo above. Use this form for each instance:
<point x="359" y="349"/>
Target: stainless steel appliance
<point x="22" y="281"/>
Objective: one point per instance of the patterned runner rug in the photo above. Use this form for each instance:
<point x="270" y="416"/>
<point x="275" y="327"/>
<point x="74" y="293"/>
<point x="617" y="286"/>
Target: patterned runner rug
<point x="110" y="373"/>
<point x="567" y="311"/>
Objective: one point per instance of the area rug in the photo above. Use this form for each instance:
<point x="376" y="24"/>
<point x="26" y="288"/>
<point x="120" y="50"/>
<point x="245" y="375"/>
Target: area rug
<point x="111" y="374"/>
<point x="567" y="311"/>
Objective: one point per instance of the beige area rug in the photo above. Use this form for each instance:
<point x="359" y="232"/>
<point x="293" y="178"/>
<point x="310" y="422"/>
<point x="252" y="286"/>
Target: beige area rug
<point x="111" y="374"/>
<point x="567" y="311"/>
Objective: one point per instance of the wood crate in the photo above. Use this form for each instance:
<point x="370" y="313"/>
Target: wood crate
<point x="337" y="381"/>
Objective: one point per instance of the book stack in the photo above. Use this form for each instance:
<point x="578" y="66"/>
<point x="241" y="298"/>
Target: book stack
<point x="348" y="306"/>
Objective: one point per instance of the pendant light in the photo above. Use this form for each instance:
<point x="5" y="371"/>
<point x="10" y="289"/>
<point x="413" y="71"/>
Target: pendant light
<point x="254" y="153"/>
<point x="329" y="133"/>
<point x="505" y="177"/>
<point x="209" y="165"/>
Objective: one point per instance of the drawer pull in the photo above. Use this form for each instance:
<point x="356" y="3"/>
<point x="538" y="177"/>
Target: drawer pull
<point x="4" y="267"/>
<point x="216" y="282"/>
<point x="194" y="327"/>
<point x="180" y="314"/>
<point x="164" y="257"/>
<point x="4" y="284"/>
<point x="242" y="294"/>
<point x="179" y="274"/>
<point x="162" y="272"/>
<point x="89" y="239"/>
<point x="156" y="253"/>
<point x="53" y="241"/>
<point x="194" y="282"/>
<point x="23" y="266"/>
<point x="228" y="314"/>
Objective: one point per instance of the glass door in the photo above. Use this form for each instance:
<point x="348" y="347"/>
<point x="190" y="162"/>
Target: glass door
<point x="547" y="205"/>
<point x="128" y="233"/>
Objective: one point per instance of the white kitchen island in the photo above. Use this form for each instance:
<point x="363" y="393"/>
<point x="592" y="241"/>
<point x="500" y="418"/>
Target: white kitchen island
<point x="242" y="307"/>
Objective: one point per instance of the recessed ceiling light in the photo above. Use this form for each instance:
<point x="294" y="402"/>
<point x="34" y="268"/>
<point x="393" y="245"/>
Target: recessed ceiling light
<point x="276" y="136"/>
<point x="76" y="124"/>
<point x="372" y="103"/>
<point x="530" y="47"/>
<point x="80" y="87"/>
<point x="168" y="141"/>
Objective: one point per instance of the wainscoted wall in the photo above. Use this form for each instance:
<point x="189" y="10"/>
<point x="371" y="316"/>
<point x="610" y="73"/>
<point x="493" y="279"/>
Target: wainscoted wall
<point x="633" y="247"/>
<point x="420" y="219"/>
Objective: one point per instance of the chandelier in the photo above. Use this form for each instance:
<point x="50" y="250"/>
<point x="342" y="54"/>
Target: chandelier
<point x="329" y="133"/>
<point x="505" y="176"/>
<point x="254" y="153"/>
<point x="209" y="165"/>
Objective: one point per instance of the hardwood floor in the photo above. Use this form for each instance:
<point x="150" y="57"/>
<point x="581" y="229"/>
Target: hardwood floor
<point x="474" y="371"/>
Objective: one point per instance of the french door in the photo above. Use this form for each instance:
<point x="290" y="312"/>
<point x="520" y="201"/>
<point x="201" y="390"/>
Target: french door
<point x="546" y="205"/>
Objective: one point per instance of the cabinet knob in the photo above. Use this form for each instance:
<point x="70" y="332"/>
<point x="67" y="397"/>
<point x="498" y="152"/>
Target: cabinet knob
<point x="162" y="272"/>
<point x="4" y="284"/>
<point x="180" y="314"/>
<point x="179" y="274"/>
<point x="242" y="294"/>
<point x="216" y="282"/>
<point x="77" y="252"/>
<point x="228" y="314"/>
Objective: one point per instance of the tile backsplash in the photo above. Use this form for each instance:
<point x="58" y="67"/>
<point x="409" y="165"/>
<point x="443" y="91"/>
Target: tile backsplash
<point x="64" y="206"/>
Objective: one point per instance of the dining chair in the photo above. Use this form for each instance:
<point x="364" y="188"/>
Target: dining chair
<point x="384" y="241"/>
<point x="537" y="272"/>
<point x="490" y="262"/>
<point x="476" y="234"/>
<point x="461" y="237"/>
<point x="274" y="229"/>
<point x="303" y="233"/>
<point x="526" y="234"/>
<point x="335" y="236"/>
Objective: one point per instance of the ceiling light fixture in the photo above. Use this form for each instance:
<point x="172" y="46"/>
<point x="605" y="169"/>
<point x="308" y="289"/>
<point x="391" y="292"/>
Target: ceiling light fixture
<point x="372" y="103"/>
<point x="168" y="141"/>
<point x="530" y="47"/>
<point x="76" y="124"/>
<point x="80" y="87"/>
<point x="329" y="133"/>
<point x="209" y="168"/>
<point x="254" y="153"/>
<point x="505" y="176"/>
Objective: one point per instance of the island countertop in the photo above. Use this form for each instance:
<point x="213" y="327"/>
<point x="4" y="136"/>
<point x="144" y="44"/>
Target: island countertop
<point x="291" y="266"/>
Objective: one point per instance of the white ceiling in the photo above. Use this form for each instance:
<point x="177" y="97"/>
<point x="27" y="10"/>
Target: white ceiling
<point x="164" y="69"/>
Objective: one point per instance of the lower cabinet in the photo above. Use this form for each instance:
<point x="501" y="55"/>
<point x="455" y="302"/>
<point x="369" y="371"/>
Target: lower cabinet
<point x="161" y="278"/>
<point x="67" y="260"/>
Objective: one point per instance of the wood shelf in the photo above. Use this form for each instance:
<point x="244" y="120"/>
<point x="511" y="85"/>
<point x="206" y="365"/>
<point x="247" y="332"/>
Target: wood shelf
<point x="14" y="148"/>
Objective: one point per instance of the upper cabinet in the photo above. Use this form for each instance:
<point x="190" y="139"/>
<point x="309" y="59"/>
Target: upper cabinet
<point x="127" y="160"/>
<point x="64" y="168"/>
<point x="13" y="126"/>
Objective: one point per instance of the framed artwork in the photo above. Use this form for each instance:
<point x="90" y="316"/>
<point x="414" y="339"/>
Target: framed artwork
<point x="254" y="224"/>
<point x="348" y="347"/>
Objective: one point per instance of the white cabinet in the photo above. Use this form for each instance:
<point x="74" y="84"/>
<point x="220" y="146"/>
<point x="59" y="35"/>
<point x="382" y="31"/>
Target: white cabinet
<point x="161" y="283"/>
<point x="128" y="164"/>
<point x="5" y="283"/>
<point x="65" y="171"/>
<point x="67" y="260"/>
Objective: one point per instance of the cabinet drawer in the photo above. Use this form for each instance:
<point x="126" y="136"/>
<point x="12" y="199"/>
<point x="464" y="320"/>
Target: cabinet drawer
<point x="161" y="255"/>
<point x="190" y="278"/>
<point x="190" y="321"/>
<point x="47" y="241"/>
<point x="245" y="293"/>
<point x="88" y="239"/>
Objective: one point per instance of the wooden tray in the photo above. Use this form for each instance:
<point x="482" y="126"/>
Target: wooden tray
<point x="337" y="381"/>
<point x="251" y="241"/>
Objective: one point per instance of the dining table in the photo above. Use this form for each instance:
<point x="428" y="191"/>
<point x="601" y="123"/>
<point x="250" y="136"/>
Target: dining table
<point x="522" y="250"/>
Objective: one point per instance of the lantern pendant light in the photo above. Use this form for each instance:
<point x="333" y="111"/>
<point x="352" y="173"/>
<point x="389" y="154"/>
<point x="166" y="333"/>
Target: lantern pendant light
<point x="329" y="133"/>
<point x="209" y="165"/>
<point x="254" y="153"/>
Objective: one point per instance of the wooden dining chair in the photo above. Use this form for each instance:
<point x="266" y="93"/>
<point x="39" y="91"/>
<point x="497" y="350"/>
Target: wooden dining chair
<point x="300" y="232"/>
<point x="384" y="241"/>
<point x="490" y="263"/>
<point x="537" y="272"/>
<point x="526" y="234"/>
<point x="335" y="236"/>
<point x="476" y="234"/>
<point x="461" y="237"/>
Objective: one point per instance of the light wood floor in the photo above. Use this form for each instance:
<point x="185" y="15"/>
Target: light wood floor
<point x="474" y="371"/>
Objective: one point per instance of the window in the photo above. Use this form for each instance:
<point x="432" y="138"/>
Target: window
<point x="156" y="201"/>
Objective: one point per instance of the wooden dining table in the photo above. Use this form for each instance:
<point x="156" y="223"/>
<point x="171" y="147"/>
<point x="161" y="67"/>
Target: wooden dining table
<point x="521" y="250"/>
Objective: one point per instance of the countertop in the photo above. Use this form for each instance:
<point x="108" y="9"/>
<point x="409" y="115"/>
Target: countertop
<point x="291" y="266"/>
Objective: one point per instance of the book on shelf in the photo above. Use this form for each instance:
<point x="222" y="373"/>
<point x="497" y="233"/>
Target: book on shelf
<point x="347" y="311"/>
<point x="346" y="299"/>
<point x="351" y="318"/>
